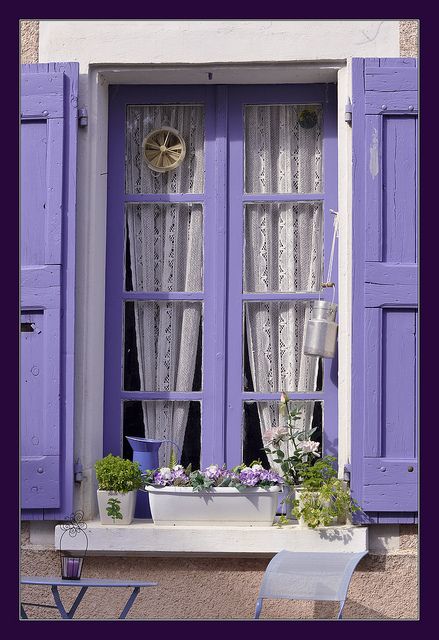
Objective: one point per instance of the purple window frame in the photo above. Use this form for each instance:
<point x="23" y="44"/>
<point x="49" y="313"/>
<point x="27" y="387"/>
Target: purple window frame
<point x="221" y="396"/>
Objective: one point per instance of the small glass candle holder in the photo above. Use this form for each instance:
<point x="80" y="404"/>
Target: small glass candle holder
<point x="72" y="561"/>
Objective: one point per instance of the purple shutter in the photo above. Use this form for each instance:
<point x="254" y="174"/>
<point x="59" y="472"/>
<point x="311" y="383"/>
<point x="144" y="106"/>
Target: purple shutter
<point x="48" y="195"/>
<point x="384" y="345"/>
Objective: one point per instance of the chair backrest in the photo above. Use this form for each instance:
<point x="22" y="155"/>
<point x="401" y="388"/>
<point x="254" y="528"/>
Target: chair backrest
<point x="309" y="576"/>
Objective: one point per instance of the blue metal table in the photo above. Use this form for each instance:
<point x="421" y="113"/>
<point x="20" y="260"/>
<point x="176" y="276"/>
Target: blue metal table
<point x="83" y="584"/>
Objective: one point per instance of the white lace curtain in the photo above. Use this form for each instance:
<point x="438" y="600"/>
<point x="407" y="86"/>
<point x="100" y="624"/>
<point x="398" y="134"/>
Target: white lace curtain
<point x="283" y="252"/>
<point x="166" y="253"/>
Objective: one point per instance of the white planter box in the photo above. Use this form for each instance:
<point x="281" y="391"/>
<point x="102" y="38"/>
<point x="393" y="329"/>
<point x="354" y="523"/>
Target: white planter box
<point x="217" y="506"/>
<point x="127" y="504"/>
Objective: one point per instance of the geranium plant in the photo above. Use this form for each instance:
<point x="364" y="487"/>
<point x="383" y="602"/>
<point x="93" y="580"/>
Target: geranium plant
<point x="241" y="477"/>
<point x="290" y="445"/>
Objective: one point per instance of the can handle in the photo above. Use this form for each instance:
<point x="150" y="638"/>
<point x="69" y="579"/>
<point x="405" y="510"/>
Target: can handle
<point x="175" y="444"/>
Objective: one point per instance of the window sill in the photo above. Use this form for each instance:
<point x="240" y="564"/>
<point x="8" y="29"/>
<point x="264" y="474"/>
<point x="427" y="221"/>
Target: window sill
<point x="142" y="537"/>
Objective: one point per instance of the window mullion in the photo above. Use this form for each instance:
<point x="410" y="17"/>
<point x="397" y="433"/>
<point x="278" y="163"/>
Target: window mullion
<point x="215" y="249"/>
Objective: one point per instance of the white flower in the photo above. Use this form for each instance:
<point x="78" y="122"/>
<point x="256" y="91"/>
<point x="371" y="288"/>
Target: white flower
<point x="213" y="468"/>
<point x="309" y="446"/>
<point x="165" y="472"/>
<point x="178" y="467"/>
<point x="275" y="434"/>
<point x="257" y="467"/>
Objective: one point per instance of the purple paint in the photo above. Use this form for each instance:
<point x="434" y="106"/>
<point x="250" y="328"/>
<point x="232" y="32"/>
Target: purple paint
<point x="49" y="132"/>
<point x="221" y="415"/>
<point x="238" y="97"/>
<point x="384" y="413"/>
<point x="115" y="294"/>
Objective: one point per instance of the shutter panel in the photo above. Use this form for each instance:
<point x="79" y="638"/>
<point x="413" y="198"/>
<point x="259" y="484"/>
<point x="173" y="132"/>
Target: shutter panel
<point x="384" y="331"/>
<point x="48" y="196"/>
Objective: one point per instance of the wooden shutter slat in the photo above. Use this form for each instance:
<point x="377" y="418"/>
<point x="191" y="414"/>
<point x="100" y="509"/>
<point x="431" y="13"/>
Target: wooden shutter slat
<point x="389" y="471"/>
<point x="390" y="497"/>
<point x="373" y="179"/>
<point x="42" y="95"/>
<point x="391" y="79"/>
<point x="384" y="102"/>
<point x="373" y="348"/>
<point x="40" y="486"/>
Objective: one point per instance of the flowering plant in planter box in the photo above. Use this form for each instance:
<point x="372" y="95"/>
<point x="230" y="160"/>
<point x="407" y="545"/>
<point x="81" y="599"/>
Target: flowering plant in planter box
<point x="241" y="477"/>
<point x="244" y="495"/>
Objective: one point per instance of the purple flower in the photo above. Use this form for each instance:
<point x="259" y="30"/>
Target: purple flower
<point x="163" y="476"/>
<point x="249" y="477"/>
<point x="213" y="472"/>
<point x="178" y="475"/>
<point x="270" y="476"/>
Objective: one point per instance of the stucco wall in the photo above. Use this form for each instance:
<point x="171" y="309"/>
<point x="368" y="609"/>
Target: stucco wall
<point x="29" y="31"/>
<point x="208" y="41"/>
<point x="408" y="39"/>
<point x="384" y="586"/>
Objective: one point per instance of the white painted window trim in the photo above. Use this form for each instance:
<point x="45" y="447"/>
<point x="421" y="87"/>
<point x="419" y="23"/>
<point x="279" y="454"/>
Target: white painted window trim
<point x="91" y="234"/>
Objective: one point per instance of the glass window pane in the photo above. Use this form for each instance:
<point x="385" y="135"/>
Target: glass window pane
<point x="283" y="246"/>
<point x="179" y="421"/>
<point x="164" y="247"/>
<point x="163" y="346"/>
<point x="274" y="348"/>
<point x="188" y="121"/>
<point x="260" y="416"/>
<point x="283" y="148"/>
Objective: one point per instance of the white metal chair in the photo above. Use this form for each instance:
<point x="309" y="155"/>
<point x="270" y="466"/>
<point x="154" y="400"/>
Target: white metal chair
<point x="302" y="575"/>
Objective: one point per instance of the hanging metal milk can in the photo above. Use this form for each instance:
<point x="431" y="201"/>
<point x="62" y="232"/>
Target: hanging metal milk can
<point x="321" y="330"/>
<point x="320" y="337"/>
<point x="146" y="453"/>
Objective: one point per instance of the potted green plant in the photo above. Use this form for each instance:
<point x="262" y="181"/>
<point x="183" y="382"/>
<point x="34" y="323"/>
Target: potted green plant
<point x="323" y="499"/>
<point x="118" y="481"/>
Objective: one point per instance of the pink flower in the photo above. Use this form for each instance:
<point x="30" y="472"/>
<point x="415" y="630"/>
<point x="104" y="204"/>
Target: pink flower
<point x="309" y="446"/>
<point x="274" y="434"/>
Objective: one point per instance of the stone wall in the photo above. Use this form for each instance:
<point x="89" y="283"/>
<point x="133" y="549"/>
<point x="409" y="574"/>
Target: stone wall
<point x="29" y="41"/>
<point x="409" y="38"/>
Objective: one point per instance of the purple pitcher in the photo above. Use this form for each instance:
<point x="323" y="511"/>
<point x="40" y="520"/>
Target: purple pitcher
<point x="146" y="453"/>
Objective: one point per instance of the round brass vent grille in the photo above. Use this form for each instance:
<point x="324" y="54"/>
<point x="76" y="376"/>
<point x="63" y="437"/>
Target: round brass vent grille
<point x="164" y="149"/>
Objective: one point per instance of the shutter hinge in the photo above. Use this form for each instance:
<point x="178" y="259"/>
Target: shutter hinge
<point x="82" y="117"/>
<point x="348" y="112"/>
<point x="77" y="471"/>
<point x="347" y="473"/>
